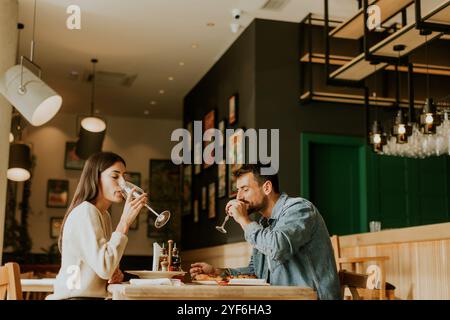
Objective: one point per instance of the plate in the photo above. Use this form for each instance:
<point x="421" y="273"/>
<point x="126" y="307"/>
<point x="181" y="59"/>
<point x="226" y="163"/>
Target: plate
<point x="145" y="274"/>
<point x="206" y="282"/>
<point x="234" y="282"/>
<point x="248" y="282"/>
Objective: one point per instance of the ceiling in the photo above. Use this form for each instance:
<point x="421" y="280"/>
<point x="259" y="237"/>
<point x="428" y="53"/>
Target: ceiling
<point x="143" y="38"/>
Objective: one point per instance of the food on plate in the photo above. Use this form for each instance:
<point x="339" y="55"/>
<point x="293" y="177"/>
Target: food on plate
<point x="207" y="277"/>
<point x="222" y="278"/>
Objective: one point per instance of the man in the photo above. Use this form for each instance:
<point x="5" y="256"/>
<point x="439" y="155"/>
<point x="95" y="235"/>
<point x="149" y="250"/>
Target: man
<point x="291" y="244"/>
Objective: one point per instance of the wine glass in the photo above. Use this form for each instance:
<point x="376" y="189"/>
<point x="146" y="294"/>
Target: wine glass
<point x="126" y="188"/>
<point x="221" y="228"/>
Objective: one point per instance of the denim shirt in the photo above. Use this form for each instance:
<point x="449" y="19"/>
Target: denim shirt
<point x="295" y="248"/>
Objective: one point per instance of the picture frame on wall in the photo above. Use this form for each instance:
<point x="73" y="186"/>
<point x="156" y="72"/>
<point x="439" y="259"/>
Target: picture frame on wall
<point x="189" y="127"/>
<point x="233" y="104"/>
<point x="196" y="213"/>
<point x="221" y="179"/>
<point x="204" y="195"/>
<point x="134" y="178"/>
<point x="55" y="227"/>
<point x="57" y="193"/>
<point x="164" y="194"/>
<point x="236" y="155"/>
<point x="186" y="189"/>
<point x="198" y="157"/>
<point x="212" y="200"/>
<point x="71" y="160"/>
<point x="209" y="122"/>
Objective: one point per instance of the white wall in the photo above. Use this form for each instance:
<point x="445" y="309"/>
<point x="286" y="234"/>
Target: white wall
<point x="8" y="45"/>
<point x="136" y="140"/>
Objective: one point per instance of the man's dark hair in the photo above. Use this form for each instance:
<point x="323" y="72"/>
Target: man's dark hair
<point x="256" y="170"/>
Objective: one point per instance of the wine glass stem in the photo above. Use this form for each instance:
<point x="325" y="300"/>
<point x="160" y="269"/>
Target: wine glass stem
<point x="149" y="208"/>
<point x="225" y="221"/>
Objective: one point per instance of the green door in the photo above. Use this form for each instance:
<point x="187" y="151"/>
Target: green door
<point x="333" y="179"/>
<point x="334" y="184"/>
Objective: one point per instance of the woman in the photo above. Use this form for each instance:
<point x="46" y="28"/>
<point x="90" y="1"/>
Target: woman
<point x="90" y="251"/>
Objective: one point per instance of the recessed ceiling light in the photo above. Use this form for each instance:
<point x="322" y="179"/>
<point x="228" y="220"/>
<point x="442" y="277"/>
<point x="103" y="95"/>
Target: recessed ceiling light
<point x="171" y="78"/>
<point x="194" y="46"/>
<point x="152" y="103"/>
<point x="181" y="63"/>
<point x="161" y="91"/>
<point x="146" y="112"/>
<point x="210" y="24"/>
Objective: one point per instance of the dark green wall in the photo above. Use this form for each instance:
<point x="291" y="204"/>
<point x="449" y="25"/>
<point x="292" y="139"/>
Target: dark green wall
<point x="263" y="67"/>
<point x="233" y="73"/>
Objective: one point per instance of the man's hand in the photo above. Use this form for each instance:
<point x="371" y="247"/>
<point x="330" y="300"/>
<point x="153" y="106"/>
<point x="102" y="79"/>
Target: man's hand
<point x="238" y="210"/>
<point x="201" y="267"/>
<point x="117" y="277"/>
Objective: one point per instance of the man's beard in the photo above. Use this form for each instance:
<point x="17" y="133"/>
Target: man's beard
<point x="259" y="207"/>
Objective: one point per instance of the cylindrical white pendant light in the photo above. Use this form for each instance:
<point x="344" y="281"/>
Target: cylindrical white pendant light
<point x="36" y="101"/>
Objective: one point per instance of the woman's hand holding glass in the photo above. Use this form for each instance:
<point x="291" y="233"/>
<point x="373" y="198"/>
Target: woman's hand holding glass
<point x="133" y="207"/>
<point x="130" y="211"/>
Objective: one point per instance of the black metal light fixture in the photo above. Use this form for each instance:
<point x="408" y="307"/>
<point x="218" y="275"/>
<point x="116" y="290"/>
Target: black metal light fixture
<point x="377" y="137"/>
<point x="19" y="166"/>
<point x="401" y="129"/>
<point x="92" y="129"/>
<point x="429" y="119"/>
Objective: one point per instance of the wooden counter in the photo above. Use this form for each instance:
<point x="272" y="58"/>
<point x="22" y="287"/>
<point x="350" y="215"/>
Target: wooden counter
<point x="209" y="292"/>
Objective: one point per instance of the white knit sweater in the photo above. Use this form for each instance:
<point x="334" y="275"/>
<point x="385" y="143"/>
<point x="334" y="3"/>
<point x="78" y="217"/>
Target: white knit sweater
<point x="91" y="252"/>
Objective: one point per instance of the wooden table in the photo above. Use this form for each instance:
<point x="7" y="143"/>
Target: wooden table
<point x="209" y="292"/>
<point x="37" y="285"/>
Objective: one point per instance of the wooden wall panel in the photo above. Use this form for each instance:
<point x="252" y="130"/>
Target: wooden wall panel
<point x="418" y="270"/>
<point x="418" y="265"/>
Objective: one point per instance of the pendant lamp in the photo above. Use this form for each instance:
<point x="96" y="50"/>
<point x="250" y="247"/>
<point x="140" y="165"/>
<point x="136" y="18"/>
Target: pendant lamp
<point x="34" y="99"/>
<point x="92" y="129"/>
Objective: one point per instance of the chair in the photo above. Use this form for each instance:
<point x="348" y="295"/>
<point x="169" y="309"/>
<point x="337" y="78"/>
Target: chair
<point x="356" y="278"/>
<point x="27" y="275"/>
<point x="357" y="284"/>
<point x="10" y="287"/>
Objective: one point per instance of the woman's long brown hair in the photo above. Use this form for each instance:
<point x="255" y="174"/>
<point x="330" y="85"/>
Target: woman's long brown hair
<point x="88" y="186"/>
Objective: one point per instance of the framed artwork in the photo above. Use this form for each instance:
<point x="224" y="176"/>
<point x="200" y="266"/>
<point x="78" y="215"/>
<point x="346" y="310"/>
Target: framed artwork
<point x="196" y="214"/>
<point x="71" y="160"/>
<point x="134" y="178"/>
<point x="198" y="157"/>
<point x="57" y="193"/>
<point x="233" y="109"/>
<point x="55" y="227"/>
<point x="221" y="127"/>
<point x="236" y="155"/>
<point x="212" y="200"/>
<point x="222" y="179"/>
<point x="204" y="191"/>
<point x="209" y="122"/>
<point x="165" y="194"/>
<point x="191" y="134"/>
<point x="186" y="189"/>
